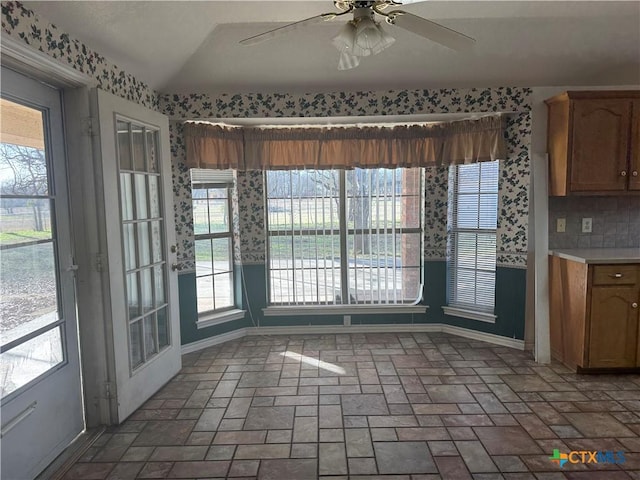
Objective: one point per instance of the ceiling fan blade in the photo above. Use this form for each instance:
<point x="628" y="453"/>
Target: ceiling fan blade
<point x="431" y="30"/>
<point x="276" y="32"/>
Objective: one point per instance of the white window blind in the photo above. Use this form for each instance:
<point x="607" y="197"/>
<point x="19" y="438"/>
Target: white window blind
<point x="202" y="175"/>
<point x="344" y="237"/>
<point x="473" y="218"/>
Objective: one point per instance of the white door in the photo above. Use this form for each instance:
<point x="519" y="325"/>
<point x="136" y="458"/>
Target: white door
<point x="42" y="409"/>
<point x="138" y="199"/>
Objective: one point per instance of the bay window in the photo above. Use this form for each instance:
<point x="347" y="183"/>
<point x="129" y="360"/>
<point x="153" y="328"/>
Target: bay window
<point x="344" y="237"/>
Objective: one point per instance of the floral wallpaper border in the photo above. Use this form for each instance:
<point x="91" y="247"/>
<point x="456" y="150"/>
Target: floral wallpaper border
<point x="22" y="23"/>
<point x="514" y="205"/>
<point x="392" y="102"/>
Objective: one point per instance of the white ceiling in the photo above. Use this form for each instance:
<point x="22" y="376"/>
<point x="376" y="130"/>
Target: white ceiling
<point x="182" y="47"/>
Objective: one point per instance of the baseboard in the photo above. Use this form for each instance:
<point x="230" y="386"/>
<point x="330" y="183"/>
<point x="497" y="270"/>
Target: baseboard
<point x="336" y="329"/>
<point x="483" y="337"/>
<point x="216" y="340"/>
<point x="354" y="328"/>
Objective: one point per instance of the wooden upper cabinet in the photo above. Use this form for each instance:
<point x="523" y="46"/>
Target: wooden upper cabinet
<point x="593" y="142"/>
<point x="600" y="140"/>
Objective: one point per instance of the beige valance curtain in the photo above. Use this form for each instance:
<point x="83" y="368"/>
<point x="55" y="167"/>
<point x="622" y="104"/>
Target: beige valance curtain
<point x="273" y="148"/>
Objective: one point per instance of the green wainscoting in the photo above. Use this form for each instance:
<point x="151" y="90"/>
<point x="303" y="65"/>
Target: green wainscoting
<point x="251" y="290"/>
<point x="511" y="288"/>
<point x="189" y="331"/>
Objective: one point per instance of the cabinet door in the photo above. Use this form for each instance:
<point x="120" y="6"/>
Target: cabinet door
<point x="613" y="332"/>
<point x="634" y="167"/>
<point x="600" y="139"/>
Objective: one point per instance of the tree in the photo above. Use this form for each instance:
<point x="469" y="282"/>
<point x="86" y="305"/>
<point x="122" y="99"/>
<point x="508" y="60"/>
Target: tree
<point x="23" y="171"/>
<point x="360" y="183"/>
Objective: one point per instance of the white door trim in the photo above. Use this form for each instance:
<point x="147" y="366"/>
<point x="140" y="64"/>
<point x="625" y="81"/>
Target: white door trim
<point x="23" y="58"/>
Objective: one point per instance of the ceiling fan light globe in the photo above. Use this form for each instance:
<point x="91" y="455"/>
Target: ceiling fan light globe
<point x="368" y="35"/>
<point x="348" y="61"/>
<point x="345" y="38"/>
<point x="358" y="51"/>
<point x="386" y="41"/>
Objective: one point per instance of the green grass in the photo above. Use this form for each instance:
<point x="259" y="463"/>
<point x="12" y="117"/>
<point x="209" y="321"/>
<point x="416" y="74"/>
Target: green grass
<point x="33" y="261"/>
<point x="204" y="251"/>
<point x="20" y="236"/>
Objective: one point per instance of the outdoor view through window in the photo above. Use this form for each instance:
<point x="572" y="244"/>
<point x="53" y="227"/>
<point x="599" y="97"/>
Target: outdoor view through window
<point x="345" y="237"/>
<point x="29" y="320"/>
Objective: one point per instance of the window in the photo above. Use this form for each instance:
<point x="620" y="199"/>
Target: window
<point x="339" y="237"/>
<point x="212" y="225"/>
<point x="31" y="312"/>
<point x="473" y="220"/>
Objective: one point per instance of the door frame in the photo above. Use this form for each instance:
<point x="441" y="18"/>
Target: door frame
<point x="42" y="394"/>
<point x="87" y="232"/>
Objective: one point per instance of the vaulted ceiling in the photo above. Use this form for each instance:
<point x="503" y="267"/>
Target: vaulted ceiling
<point x="193" y="46"/>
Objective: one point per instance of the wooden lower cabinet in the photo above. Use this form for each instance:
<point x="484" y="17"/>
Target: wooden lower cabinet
<point x="613" y="330"/>
<point x="594" y="314"/>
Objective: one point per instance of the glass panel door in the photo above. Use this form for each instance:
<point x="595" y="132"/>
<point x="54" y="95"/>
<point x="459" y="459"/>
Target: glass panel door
<point x="142" y="240"/>
<point x="139" y="232"/>
<point x="41" y="398"/>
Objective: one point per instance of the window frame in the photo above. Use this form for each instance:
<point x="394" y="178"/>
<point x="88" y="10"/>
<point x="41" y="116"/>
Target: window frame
<point x="477" y="310"/>
<point x="213" y="316"/>
<point x="344" y="233"/>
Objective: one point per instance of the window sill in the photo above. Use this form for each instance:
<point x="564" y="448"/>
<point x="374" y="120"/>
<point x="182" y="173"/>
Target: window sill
<point x="212" y="318"/>
<point x="470" y="314"/>
<point x="342" y="310"/>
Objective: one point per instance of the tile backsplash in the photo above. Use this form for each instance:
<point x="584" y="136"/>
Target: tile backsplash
<point x="616" y="222"/>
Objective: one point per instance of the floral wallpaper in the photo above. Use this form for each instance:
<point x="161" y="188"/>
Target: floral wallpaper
<point x="514" y="185"/>
<point x="393" y="102"/>
<point x="513" y="216"/>
<point x="182" y="198"/>
<point x="22" y="23"/>
<point x="251" y="233"/>
<point x="435" y="208"/>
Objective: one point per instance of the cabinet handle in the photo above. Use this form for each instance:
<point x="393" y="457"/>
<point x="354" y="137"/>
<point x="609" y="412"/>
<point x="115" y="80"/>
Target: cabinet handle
<point x="616" y="275"/>
<point x="623" y="173"/>
<point x="634" y="305"/>
<point x="635" y="173"/>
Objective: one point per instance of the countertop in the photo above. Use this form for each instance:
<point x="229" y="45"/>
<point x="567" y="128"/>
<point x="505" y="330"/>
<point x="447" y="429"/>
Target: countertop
<point x="598" y="255"/>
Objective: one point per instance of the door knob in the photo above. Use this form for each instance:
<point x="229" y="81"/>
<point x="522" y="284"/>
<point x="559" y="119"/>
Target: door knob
<point x="634" y="305"/>
<point x="176" y="267"/>
<point x="634" y="173"/>
<point x="623" y="173"/>
<point x="174" y="248"/>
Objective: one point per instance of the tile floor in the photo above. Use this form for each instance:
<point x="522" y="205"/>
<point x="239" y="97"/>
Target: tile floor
<point x="372" y="406"/>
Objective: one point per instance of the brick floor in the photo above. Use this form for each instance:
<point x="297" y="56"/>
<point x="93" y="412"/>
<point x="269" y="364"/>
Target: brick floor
<point x="372" y="406"/>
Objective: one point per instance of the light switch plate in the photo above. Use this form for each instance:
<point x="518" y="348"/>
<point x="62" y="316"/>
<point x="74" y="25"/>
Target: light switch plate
<point x="561" y="225"/>
<point x="587" y="225"/>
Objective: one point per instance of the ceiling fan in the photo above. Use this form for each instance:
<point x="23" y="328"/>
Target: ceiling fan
<point x="363" y="36"/>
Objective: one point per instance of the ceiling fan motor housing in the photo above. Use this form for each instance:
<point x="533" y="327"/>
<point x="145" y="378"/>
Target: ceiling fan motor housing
<point x="349" y="5"/>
